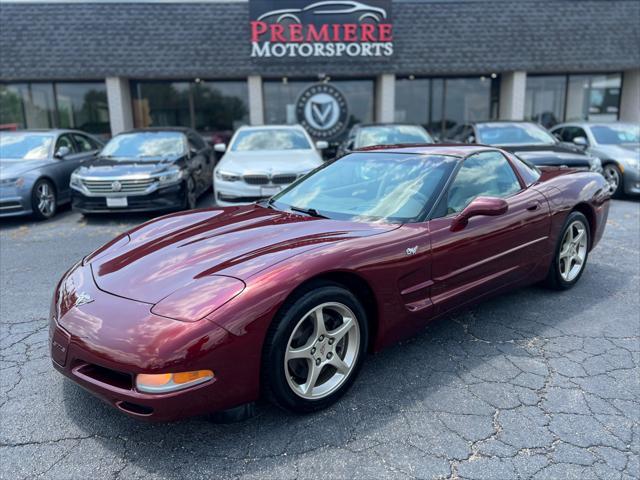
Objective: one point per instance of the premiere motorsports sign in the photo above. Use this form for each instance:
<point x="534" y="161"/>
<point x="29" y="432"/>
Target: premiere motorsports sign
<point x="308" y="29"/>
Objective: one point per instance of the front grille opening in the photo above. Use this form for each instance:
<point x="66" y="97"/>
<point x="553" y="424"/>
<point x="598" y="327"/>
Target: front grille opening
<point x="134" y="408"/>
<point x="108" y="376"/>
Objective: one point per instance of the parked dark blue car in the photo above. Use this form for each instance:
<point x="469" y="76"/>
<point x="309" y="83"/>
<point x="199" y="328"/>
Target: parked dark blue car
<point x="35" y="168"/>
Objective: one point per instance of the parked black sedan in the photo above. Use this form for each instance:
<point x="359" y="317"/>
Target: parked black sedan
<point x="145" y="170"/>
<point x="527" y="140"/>
<point x="35" y="166"/>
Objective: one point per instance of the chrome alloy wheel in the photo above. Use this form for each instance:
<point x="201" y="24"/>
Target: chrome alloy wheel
<point x="322" y="350"/>
<point x="46" y="199"/>
<point x="573" y="251"/>
<point x="612" y="176"/>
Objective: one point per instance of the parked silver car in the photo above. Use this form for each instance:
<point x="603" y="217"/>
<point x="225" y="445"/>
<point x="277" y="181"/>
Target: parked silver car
<point x="616" y="144"/>
<point x="35" y="168"/>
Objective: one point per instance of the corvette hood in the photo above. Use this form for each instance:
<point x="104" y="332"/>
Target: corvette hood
<point x="169" y="253"/>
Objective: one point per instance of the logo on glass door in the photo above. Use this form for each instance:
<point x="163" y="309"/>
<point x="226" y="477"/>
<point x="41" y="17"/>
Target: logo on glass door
<point x="322" y="110"/>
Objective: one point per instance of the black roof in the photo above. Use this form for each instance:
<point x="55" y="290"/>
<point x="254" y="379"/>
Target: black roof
<point x="155" y="40"/>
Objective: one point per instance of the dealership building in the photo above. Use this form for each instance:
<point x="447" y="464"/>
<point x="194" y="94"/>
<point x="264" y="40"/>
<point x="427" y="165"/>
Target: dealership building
<point x="105" y="66"/>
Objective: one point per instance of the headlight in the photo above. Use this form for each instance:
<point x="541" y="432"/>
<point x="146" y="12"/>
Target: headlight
<point x="199" y="299"/>
<point x="226" y="176"/>
<point x="596" y="164"/>
<point x="75" y="180"/>
<point x="12" y="182"/>
<point x="170" y="382"/>
<point x="171" y="176"/>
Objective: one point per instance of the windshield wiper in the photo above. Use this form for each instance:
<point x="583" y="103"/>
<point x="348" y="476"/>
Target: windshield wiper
<point x="309" y="211"/>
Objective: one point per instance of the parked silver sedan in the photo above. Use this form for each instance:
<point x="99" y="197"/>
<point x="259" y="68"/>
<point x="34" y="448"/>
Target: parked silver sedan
<point x="35" y="167"/>
<point x="616" y="144"/>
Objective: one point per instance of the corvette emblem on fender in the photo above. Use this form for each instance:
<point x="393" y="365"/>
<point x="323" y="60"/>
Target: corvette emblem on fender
<point x="82" y="299"/>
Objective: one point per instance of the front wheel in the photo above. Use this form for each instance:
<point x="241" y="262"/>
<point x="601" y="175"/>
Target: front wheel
<point x="43" y="200"/>
<point x="613" y="176"/>
<point x="191" y="198"/>
<point x="314" y="348"/>
<point x="571" y="253"/>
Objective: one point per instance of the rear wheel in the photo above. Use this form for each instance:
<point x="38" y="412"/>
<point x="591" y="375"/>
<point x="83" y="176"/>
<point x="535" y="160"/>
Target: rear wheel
<point x="613" y="176"/>
<point x="571" y="253"/>
<point x="43" y="200"/>
<point x="314" y="348"/>
<point x="191" y="198"/>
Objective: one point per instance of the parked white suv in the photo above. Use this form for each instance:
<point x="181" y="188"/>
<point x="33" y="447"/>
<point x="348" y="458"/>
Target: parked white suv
<point x="260" y="161"/>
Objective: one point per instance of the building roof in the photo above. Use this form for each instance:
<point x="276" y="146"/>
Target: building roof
<point x="73" y="40"/>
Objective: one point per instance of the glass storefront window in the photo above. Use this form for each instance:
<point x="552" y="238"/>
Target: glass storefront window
<point x="11" y="107"/>
<point x="55" y="105"/>
<point x="280" y="99"/>
<point x="593" y="97"/>
<point x="83" y="106"/>
<point x="545" y="99"/>
<point x="551" y="99"/>
<point x="440" y="104"/>
<point x="207" y="106"/>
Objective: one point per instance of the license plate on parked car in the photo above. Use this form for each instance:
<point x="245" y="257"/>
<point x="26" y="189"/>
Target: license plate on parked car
<point x="269" y="191"/>
<point x="117" y="202"/>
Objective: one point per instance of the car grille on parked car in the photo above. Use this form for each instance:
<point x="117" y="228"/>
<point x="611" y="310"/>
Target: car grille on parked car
<point x="279" y="179"/>
<point x="118" y="186"/>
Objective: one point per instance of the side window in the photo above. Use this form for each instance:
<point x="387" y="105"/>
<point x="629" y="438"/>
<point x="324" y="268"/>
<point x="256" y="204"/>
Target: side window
<point x="65" y="141"/>
<point x="195" y="142"/>
<point x="483" y="174"/>
<point x="83" y="143"/>
<point x="569" y="133"/>
<point x="557" y="132"/>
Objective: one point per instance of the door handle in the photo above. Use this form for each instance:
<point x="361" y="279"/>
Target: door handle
<point x="533" y="207"/>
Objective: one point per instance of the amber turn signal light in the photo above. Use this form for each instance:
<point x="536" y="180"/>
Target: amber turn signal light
<point x="171" y="382"/>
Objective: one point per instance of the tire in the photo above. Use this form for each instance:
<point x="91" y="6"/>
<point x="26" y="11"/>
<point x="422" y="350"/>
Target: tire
<point x="613" y="176"/>
<point x="190" y="195"/>
<point x="286" y="379"/>
<point x="565" y="271"/>
<point x="44" y="202"/>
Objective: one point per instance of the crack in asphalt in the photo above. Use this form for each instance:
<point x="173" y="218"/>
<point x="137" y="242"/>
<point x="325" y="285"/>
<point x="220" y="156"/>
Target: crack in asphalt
<point x="530" y="385"/>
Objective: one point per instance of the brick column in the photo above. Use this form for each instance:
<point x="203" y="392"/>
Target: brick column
<point x="513" y="87"/>
<point x="119" y="101"/>
<point x="385" y="97"/>
<point x="630" y="97"/>
<point x="256" y="102"/>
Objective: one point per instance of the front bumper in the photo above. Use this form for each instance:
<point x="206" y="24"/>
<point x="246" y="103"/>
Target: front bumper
<point x="167" y="198"/>
<point x="631" y="180"/>
<point x="102" y="345"/>
<point x="240" y="193"/>
<point x="13" y="203"/>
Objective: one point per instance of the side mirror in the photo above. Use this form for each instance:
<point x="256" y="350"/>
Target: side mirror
<point x="322" y="144"/>
<point x="489" y="206"/>
<point x="62" y="152"/>
<point x="220" y="147"/>
<point x="581" y="141"/>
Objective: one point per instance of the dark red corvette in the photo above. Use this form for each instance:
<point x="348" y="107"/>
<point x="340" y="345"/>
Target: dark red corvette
<point x="207" y="310"/>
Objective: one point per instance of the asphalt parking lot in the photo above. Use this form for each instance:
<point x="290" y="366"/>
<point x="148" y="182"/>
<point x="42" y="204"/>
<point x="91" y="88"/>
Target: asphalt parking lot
<point x="534" y="384"/>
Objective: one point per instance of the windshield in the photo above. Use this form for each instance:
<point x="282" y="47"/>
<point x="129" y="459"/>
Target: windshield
<point x="145" y="145"/>
<point x="392" y="135"/>
<point x="366" y="186"/>
<point x="25" y="146"/>
<point x="513" y="134"/>
<point x="270" y="139"/>
<point x="616" y="134"/>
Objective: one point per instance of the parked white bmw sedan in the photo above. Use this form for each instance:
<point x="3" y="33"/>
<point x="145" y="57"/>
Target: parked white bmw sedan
<point x="260" y="161"/>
